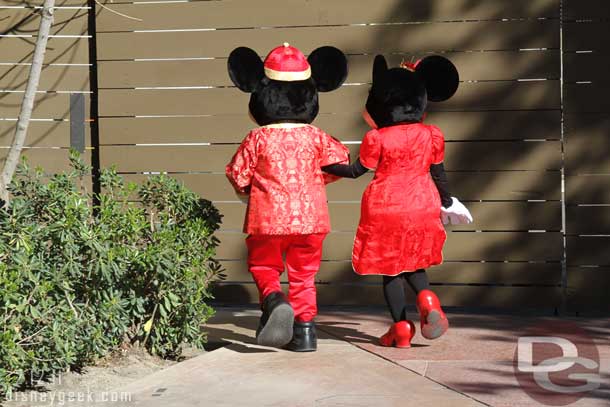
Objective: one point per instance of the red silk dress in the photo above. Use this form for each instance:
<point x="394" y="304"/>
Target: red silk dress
<point x="282" y="165"/>
<point x="400" y="226"/>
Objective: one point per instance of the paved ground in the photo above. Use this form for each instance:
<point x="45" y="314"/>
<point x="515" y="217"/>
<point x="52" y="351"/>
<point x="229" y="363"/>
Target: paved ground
<point x="470" y="366"/>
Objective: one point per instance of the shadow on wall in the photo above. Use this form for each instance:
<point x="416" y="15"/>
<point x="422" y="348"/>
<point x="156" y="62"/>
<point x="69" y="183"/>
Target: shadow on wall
<point x="511" y="152"/>
<point x="504" y="153"/>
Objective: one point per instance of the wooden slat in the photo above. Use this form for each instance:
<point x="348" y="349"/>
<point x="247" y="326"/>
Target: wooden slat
<point x="492" y="185"/>
<point x="53" y="77"/>
<point x="501" y="65"/>
<point x="459" y="156"/>
<point x="507" y="125"/>
<point x="587" y="143"/>
<point x="507" y="35"/>
<point x="238" y="14"/>
<point x="588" y="189"/>
<point x="588" y="250"/>
<point x="352" y="294"/>
<point x="20" y="21"/>
<point x="588" y="220"/>
<point x="59" y="50"/>
<point x="460" y="246"/>
<point x="588" y="289"/>
<point x="585" y="9"/>
<point x="472" y="96"/>
<point x="586" y="98"/>
<point x="38" y="3"/>
<point x="581" y="36"/>
<point x="46" y="105"/>
<point x="502" y="216"/>
<point x="518" y="273"/>
<point x="590" y="66"/>
<point x="41" y="134"/>
<point x="51" y="160"/>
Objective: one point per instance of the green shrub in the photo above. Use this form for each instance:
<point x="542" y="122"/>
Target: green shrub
<point x="77" y="280"/>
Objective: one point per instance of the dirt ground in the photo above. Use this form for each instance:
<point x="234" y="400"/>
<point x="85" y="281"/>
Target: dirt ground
<point x="100" y="380"/>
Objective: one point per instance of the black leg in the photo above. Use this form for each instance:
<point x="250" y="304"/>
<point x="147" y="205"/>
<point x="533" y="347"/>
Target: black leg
<point x="418" y="280"/>
<point x="394" y="290"/>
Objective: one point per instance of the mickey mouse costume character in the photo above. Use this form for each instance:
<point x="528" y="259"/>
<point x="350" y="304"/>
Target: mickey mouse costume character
<point x="279" y="166"/>
<point x="400" y="231"/>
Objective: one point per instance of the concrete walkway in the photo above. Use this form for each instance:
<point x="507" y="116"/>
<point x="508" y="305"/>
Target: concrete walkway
<point x="470" y="366"/>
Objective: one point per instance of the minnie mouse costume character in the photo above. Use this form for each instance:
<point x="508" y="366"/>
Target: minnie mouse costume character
<point x="279" y="166"/>
<point x="400" y="231"/>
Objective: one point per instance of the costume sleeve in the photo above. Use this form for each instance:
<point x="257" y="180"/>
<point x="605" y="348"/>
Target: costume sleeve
<point x="241" y="168"/>
<point x="332" y="152"/>
<point x="370" y="150"/>
<point x="437" y="171"/>
<point x="438" y="145"/>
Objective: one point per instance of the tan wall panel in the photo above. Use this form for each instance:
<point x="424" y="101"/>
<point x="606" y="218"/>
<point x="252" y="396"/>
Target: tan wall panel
<point x="38" y="3"/>
<point x="501" y="216"/>
<point x="50" y="159"/>
<point x="593" y="66"/>
<point x="234" y="14"/>
<point x="588" y="250"/>
<point x="351" y="39"/>
<point x="583" y="36"/>
<point x="46" y="105"/>
<point x="585" y="9"/>
<point x="509" y="125"/>
<point x="504" y="65"/>
<point x="587" y="143"/>
<point x="335" y="294"/>
<point x="478" y="155"/>
<point x="491" y="185"/>
<point x="509" y="95"/>
<point x="53" y="77"/>
<point x="41" y="134"/>
<point x="20" y="21"/>
<point x="588" y="289"/>
<point x="589" y="220"/>
<point x="59" y="50"/>
<point x="460" y="246"/>
<point x="448" y="272"/>
<point x="588" y="189"/>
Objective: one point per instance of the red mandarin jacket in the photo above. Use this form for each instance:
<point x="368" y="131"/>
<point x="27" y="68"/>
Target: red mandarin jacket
<point x="280" y="165"/>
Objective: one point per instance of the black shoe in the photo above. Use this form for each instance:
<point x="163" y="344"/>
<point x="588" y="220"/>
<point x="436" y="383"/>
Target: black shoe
<point x="275" y="327"/>
<point x="304" y="338"/>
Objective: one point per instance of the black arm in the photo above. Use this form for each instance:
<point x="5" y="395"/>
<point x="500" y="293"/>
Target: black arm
<point x="437" y="171"/>
<point x="353" y="170"/>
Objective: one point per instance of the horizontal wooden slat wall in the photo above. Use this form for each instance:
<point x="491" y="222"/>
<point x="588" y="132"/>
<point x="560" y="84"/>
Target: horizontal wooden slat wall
<point x="587" y="143"/>
<point x="65" y="70"/>
<point x="167" y="105"/>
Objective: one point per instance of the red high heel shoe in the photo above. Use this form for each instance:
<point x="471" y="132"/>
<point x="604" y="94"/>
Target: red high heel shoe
<point x="399" y="335"/>
<point x="434" y="322"/>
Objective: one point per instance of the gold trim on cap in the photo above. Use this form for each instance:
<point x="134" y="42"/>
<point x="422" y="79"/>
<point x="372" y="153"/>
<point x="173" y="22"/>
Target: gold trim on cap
<point x="287" y="76"/>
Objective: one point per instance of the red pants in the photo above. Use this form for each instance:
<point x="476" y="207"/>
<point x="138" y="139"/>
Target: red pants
<point x="303" y="255"/>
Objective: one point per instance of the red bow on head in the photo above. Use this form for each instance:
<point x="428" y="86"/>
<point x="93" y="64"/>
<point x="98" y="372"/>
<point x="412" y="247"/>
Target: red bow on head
<point x="410" y="66"/>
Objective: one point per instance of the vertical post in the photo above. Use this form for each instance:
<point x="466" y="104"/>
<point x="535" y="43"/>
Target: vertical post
<point x="93" y="109"/>
<point x="564" y="262"/>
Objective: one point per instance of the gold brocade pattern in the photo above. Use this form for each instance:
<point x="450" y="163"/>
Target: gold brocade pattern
<point x="281" y="167"/>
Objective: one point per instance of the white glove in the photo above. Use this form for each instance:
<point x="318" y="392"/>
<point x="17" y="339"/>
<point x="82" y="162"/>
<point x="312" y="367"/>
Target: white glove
<point x="456" y="214"/>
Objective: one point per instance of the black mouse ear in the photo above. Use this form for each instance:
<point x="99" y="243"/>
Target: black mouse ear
<point x="328" y="68"/>
<point x="441" y="77"/>
<point x="380" y="66"/>
<point x="245" y="68"/>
